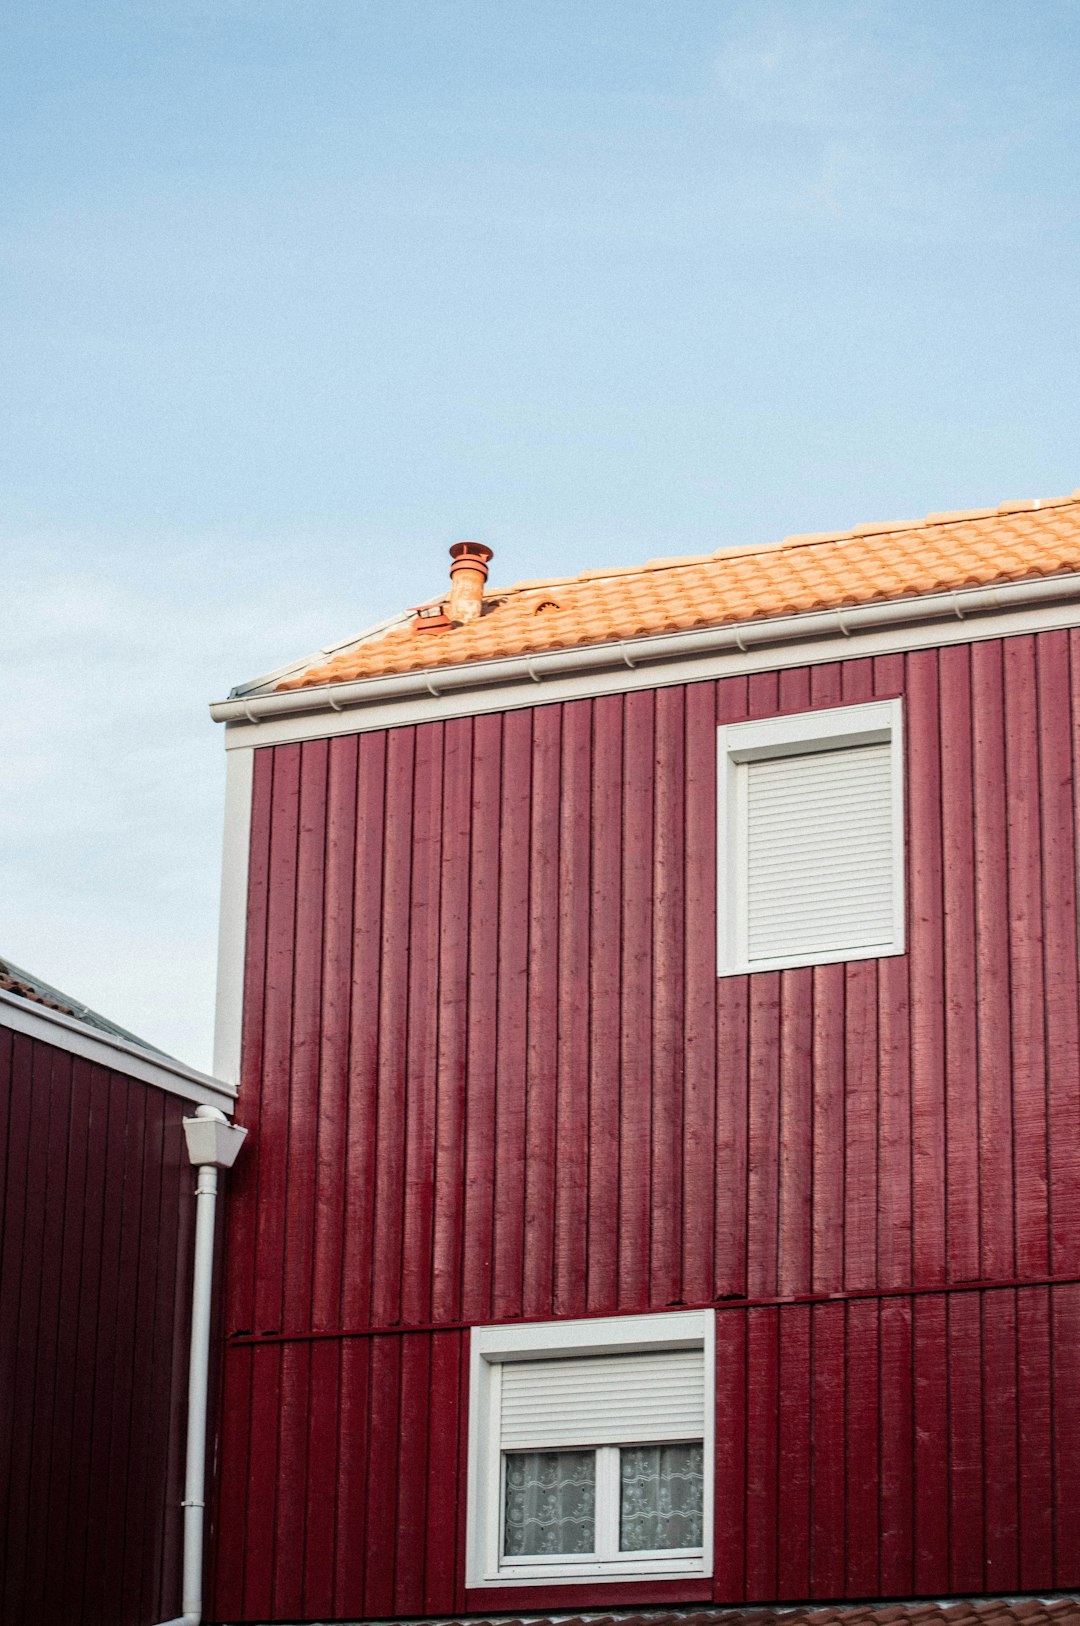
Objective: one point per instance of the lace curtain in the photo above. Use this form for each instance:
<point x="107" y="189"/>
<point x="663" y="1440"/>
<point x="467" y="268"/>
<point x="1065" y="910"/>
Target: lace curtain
<point x="661" y="1497"/>
<point x="550" y="1502"/>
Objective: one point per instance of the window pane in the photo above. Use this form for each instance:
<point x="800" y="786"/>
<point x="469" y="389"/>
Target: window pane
<point x="550" y="1502"/>
<point x="661" y="1497"/>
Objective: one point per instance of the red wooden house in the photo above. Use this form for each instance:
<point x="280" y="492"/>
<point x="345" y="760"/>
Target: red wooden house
<point x="97" y="1230"/>
<point x="654" y="996"/>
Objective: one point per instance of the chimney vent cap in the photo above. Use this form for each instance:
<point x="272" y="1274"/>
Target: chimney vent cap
<point x="471" y="550"/>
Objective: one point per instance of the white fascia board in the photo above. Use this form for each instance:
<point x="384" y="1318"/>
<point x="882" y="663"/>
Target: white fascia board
<point x="891" y="627"/>
<point x="232" y="920"/>
<point x="94" y="1045"/>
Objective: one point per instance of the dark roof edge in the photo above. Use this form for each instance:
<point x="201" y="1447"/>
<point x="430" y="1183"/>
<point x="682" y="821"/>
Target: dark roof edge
<point x="15" y="980"/>
<point x="1021" y="1607"/>
<point x="110" y="1050"/>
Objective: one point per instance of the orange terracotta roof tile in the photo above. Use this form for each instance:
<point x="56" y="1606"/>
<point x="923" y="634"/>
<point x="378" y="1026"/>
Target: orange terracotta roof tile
<point x="961" y="1612"/>
<point x="801" y="574"/>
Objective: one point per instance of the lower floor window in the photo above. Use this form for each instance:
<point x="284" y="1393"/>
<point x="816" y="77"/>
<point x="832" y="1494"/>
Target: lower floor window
<point x="591" y="1450"/>
<point x="559" y="1503"/>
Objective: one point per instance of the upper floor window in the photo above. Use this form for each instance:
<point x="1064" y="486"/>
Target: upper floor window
<point x="811" y="838"/>
<point x="590" y="1452"/>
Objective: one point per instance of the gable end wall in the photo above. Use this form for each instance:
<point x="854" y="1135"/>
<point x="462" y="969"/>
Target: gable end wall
<point x="495" y="1077"/>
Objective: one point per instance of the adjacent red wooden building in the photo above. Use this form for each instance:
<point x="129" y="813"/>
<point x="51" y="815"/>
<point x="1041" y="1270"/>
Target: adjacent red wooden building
<point x="655" y="1001"/>
<point x="96" y="1212"/>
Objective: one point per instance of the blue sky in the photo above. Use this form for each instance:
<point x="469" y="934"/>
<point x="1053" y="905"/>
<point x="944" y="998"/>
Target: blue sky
<point x="295" y="293"/>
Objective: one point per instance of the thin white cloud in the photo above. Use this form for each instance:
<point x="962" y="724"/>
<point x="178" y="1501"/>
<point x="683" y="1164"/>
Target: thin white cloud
<point x="110" y="817"/>
<point x="868" y="125"/>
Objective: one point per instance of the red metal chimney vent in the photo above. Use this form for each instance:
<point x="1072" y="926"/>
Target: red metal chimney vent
<point x="468" y="573"/>
<point x="430" y="618"/>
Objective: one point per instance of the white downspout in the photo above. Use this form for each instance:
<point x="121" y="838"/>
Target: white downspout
<point x="212" y="1143"/>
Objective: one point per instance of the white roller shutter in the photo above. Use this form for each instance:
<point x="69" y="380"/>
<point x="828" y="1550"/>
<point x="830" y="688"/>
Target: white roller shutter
<point x="603" y="1400"/>
<point x="820" y="851"/>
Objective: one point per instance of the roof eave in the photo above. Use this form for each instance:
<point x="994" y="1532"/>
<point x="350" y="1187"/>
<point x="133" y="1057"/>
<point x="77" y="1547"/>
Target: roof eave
<point x="805" y="627"/>
<point x="109" y="1050"/>
<point x="269" y="680"/>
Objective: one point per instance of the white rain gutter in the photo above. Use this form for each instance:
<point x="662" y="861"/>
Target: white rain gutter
<point x="212" y="1143"/>
<point x="788" y="629"/>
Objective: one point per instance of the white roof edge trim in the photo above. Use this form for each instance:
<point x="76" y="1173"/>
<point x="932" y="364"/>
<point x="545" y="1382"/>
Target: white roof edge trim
<point x="370" y="635"/>
<point x="807" y="627"/>
<point x="93" y="1045"/>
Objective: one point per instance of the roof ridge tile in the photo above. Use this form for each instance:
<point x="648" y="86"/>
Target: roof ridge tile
<point x="800" y="540"/>
<point x="895" y="528"/>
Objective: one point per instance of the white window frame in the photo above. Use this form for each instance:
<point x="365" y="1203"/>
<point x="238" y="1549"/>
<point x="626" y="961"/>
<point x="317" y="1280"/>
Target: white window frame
<point x="800" y="734"/>
<point x="490" y="1349"/>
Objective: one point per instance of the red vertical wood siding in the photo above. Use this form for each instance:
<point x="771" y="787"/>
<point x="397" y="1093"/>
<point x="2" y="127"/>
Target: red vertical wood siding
<point x="495" y="1077"/>
<point x="96" y="1207"/>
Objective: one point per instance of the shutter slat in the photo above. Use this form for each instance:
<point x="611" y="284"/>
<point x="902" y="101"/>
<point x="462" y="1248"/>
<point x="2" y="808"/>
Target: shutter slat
<point x="603" y="1400"/>
<point x="820" y="859"/>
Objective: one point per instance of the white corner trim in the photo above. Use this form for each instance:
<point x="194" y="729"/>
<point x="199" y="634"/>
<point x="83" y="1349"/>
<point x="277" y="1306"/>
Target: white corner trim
<point x="489" y="1349"/>
<point x="878" y="722"/>
<point x="773" y="644"/>
<point x="232" y="921"/>
<point x="119" y="1055"/>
